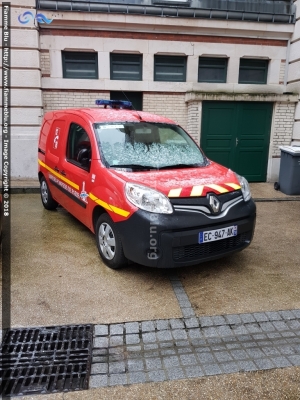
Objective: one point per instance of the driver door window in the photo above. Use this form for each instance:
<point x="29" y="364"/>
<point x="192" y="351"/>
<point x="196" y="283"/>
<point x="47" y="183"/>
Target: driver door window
<point x="79" y="147"/>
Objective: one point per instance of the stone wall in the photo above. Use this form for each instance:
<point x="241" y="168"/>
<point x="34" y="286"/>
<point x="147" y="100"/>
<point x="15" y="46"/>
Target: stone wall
<point x="293" y="81"/>
<point x="26" y="95"/>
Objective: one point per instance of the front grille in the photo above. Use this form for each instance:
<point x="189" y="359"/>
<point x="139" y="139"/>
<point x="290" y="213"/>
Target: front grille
<point x="45" y="360"/>
<point x="198" y="251"/>
<point x="198" y="201"/>
<point x="190" y="204"/>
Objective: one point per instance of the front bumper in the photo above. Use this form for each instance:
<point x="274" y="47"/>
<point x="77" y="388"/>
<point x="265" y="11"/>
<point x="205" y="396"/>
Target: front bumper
<point x="168" y="241"/>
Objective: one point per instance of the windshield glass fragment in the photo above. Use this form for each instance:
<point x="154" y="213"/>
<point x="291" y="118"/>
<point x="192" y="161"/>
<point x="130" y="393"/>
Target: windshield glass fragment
<point x="147" y="146"/>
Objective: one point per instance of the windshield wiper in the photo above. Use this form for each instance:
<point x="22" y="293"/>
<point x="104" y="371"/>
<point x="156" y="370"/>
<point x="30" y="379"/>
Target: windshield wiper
<point x="181" y="166"/>
<point x="150" y="167"/>
<point x="133" y="166"/>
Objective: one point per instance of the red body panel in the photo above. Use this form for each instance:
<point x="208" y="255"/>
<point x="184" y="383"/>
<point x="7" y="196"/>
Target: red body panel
<point x="185" y="179"/>
<point x="80" y="191"/>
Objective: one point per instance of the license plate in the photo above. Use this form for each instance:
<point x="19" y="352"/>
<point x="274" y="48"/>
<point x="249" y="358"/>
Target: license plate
<point x="218" y="234"/>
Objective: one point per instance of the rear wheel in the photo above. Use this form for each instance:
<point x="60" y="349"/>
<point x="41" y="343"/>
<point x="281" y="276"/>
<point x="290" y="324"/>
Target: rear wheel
<point x="276" y="186"/>
<point x="109" y="243"/>
<point x="48" y="202"/>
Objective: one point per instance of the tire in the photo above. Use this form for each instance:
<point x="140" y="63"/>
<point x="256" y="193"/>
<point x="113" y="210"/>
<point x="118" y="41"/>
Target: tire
<point x="48" y="202"/>
<point x="109" y="243"/>
<point x="276" y="186"/>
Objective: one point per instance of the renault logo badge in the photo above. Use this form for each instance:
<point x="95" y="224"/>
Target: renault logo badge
<point x="214" y="203"/>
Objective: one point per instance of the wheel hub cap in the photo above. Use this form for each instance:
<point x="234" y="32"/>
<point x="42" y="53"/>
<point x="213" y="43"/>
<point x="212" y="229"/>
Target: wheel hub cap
<point x="107" y="241"/>
<point x="44" y="192"/>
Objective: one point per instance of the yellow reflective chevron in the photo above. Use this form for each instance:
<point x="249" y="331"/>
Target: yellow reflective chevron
<point x="233" y="185"/>
<point x="201" y="190"/>
<point x="61" y="177"/>
<point x="175" y="192"/>
<point x="220" y="189"/>
<point x="197" y="190"/>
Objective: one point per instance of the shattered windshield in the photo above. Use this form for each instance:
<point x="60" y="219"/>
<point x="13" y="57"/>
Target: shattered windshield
<point x="147" y="145"/>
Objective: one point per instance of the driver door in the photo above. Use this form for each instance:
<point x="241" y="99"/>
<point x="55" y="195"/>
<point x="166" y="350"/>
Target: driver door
<point x="76" y="167"/>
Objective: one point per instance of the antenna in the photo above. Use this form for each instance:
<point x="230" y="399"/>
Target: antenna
<point x="140" y="117"/>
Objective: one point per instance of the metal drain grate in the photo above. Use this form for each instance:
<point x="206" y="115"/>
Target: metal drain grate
<point x="45" y="360"/>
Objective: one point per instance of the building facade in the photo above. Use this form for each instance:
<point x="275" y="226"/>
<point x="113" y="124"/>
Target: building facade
<point x="226" y="71"/>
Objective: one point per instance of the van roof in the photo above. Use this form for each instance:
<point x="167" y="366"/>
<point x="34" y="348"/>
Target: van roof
<point x="112" y="115"/>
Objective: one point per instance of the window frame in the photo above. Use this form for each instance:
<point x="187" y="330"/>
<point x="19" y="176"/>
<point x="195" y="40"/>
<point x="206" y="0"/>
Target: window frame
<point x="114" y="62"/>
<point x="171" y="57"/>
<point x="209" y="59"/>
<point x="65" y="61"/>
<point x="253" y="60"/>
<point x="69" y="148"/>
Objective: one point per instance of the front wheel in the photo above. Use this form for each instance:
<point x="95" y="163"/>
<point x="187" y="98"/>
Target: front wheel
<point x="48" y="202"/>
<point x="109" y="243"/>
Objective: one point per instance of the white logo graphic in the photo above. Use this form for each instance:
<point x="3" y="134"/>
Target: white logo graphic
<point x="56" y="138"/>
<point x="83" y="194"/>
<point x="214" y="203"/>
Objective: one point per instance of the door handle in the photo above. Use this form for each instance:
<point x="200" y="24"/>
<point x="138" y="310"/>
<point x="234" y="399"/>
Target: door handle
<point x="56" y="169"/>
<point x="63" y="173"/>
<point x="236" y="141"/>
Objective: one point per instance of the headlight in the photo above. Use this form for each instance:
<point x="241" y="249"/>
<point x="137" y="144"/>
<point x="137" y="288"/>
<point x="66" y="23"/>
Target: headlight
<point x="148" y="199"/>
<point x="245" y="187"/>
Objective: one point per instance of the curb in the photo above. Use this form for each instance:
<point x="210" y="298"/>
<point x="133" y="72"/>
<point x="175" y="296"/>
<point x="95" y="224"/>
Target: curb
<point x="262" y="200"/>
<point x="23" y="190"/>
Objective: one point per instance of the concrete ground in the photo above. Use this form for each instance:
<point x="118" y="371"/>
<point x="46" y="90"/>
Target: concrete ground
<point x="279" y="384"/>
<point x="57" y="256"/>
<point x="58" y="278"/>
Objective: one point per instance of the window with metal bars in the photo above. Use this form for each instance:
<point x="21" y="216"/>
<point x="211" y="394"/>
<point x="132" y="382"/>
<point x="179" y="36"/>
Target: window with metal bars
<point x="170" y="68"/>
<point x="253" y="71"/>
<point x="80" y="65"/>
<point x="212" y="69"/>
<point x="127" y="67"/>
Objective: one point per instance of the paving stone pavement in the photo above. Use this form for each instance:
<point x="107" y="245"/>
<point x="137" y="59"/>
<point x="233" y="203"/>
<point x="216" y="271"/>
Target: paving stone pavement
<point x="160" y="350"/>
<point x="190" y="347"/>
<point x="182" y="297"/>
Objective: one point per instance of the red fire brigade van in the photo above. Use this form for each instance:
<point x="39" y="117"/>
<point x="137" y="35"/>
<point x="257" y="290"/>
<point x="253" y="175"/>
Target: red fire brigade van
<point x="142" y="185"/>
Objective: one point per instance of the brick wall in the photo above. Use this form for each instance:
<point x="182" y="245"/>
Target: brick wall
<point x="193" y="126"/>
<point x="58" y="99"/>
<point x="45" y="62"/>
<point x="283" y="126"/>
<point x="172" y="106"/>
<point x="163" y="36"/>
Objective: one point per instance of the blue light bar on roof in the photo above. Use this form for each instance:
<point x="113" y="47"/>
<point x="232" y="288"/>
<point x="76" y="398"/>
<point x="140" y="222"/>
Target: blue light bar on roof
<point x="115" y="104"/>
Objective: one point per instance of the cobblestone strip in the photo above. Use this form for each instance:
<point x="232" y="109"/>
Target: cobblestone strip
<point x="161" y="350"/>
<point x="182" y="297"/>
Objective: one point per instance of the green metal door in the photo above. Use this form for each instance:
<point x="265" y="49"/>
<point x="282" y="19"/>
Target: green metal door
<point x="237" y="135"/>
